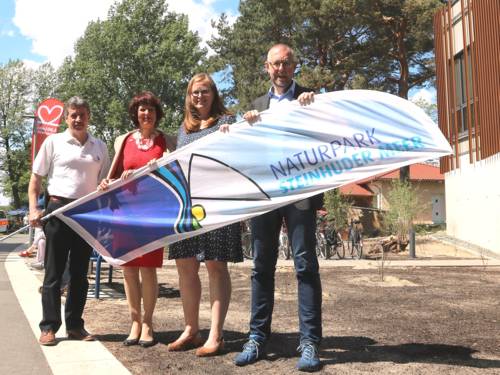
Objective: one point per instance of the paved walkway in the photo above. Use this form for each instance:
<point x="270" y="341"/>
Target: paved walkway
<point x="21" y="312"/>
<point x="20" y="352"/>
<point x="19" y="348"/>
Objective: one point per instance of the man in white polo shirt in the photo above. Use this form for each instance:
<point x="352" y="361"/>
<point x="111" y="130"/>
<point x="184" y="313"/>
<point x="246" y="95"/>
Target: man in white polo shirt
<point x="74" y="162"/>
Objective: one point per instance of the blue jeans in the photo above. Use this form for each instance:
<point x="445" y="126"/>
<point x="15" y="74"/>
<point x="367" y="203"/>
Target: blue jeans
<point x="301" y="225"/>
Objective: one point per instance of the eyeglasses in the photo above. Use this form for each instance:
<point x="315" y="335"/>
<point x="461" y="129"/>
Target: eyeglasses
<point x="276" y="64"/>
<point x="198" y="93"/>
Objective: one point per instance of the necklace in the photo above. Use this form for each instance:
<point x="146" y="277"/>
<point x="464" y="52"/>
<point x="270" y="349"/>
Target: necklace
<point x="143" y="143"/>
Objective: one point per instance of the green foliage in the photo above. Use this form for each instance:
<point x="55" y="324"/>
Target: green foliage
<point x="338" y="207"/>
<point x="141" y="46"/>
<point x="16" y="184"/>
<point x="404" y="207"/>
<point x="401" y="43"/>
<point x="322" y="40"/>
<point x="242" y="46"/>
<point x="21" y="90"/>
<point x="376" y="44"/>
<point x="15" y="130"/>
<point x="45" y="84"/>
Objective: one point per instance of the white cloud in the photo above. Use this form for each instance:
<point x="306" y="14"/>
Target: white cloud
<point x="55" y="25"/>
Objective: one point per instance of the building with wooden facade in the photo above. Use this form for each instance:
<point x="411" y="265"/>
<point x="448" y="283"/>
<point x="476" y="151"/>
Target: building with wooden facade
<point x="467" y="51"/>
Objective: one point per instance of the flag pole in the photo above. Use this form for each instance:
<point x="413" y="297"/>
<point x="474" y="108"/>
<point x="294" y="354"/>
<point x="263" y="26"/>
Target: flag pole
<point x="16" y="232"/>
<point x="48" y="216"/>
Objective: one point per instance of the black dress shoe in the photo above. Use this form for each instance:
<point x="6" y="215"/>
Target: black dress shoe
<point x="147" y="343"/>
<point x="130" y="342"/>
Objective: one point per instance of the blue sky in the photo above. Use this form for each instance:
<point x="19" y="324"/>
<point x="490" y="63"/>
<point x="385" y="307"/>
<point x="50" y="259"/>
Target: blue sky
<point x="12" y="43"/>
<point x="37" y="31"/>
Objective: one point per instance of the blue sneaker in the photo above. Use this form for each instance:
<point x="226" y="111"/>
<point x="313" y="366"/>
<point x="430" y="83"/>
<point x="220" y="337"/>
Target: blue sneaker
<point x="252" y="352"/>
<point x="309" y="359"/>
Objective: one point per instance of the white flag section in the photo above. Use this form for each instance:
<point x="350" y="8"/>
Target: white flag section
<point x="293" y="153"/>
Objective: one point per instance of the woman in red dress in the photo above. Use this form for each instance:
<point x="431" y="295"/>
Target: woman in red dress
<point x="132" y="151"/>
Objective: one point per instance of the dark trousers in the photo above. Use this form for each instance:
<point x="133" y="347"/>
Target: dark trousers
<point x="63" y="242"/>
<point x="301" y="225"/>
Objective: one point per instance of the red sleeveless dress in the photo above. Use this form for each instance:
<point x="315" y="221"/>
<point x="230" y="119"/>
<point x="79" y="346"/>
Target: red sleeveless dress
<point x="134" y="158"/>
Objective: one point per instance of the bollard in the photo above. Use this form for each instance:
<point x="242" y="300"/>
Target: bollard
<point x="412" y="243"/>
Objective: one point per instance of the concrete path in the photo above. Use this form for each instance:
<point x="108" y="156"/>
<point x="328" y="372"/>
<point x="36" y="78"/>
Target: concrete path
<point x="20" y="351"/>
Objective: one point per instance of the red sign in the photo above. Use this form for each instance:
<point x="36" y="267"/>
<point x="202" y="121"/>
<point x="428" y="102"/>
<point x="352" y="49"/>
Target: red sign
<point x="47" y="119"/>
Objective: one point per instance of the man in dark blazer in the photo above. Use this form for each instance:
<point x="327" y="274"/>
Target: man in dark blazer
<point x="300" y="219"/>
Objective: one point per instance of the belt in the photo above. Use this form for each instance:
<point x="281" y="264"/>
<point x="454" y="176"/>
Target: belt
<point x="55" y="198"/>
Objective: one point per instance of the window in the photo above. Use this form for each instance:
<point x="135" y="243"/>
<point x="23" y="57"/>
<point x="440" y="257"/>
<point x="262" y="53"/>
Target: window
<point x="460" y="92"/>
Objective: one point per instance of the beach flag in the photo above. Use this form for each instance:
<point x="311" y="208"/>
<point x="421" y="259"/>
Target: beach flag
<point x="47" y="118"/>
<point x="292" y="153"/>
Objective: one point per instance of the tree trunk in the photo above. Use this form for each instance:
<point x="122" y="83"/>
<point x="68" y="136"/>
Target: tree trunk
<point x="403" y="60"/>
<point x="404" y="172"/>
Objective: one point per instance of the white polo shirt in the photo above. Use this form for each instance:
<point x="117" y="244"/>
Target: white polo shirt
<point x="73" y="170"/>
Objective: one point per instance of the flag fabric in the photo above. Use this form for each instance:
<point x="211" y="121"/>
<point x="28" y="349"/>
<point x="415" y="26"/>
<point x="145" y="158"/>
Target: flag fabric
<point x="48" y="116"/>
<point x="292" y="153"/>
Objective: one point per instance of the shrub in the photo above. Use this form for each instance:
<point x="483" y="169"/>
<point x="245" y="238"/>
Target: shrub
<point x="338" y="207"/>
<point x="404" y="206"/>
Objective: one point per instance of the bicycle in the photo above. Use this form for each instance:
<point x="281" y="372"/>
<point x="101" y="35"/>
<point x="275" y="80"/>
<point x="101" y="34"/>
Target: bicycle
<point x="334" y="244"/>
<point x="355" y="240"/>
<point x="328" y="241"/>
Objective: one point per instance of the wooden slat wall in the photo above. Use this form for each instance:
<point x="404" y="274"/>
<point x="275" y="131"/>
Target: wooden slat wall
<point x="487" y="31"/>
<point x="484" y="25"/>
<point x="442" y="82"/>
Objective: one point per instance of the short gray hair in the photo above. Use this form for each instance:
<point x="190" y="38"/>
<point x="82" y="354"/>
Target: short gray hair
<point x="76" y="101"/>
<point x="286" y="47"/>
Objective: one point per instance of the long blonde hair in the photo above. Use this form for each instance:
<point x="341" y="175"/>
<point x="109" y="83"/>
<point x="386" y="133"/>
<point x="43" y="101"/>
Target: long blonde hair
<point x="192" y="120"/>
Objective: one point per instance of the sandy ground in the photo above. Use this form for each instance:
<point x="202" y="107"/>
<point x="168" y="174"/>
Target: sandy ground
<point x="416" y="320"/>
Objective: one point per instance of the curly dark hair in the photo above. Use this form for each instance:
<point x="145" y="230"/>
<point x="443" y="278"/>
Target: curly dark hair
<point x="145" y="98"/>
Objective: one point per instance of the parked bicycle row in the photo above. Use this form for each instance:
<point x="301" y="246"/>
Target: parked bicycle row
<point x="329" y="242"/>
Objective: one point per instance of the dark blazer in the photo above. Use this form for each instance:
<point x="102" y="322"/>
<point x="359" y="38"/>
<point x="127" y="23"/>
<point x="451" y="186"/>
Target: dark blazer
<point x="262" y="103"/>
